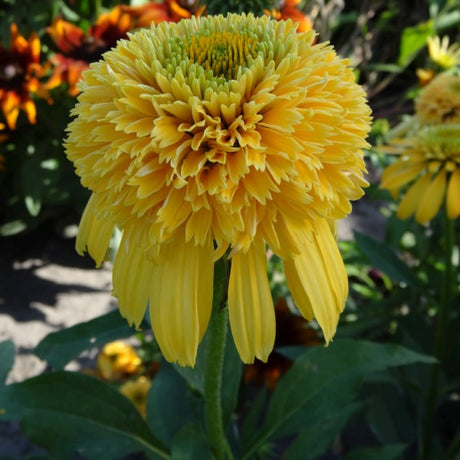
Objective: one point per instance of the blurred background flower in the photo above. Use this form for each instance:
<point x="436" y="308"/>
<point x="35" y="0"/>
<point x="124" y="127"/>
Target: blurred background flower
<point x="20" y="70"/>
<point x="136" y="391"/>
<point x="117" y="360"/>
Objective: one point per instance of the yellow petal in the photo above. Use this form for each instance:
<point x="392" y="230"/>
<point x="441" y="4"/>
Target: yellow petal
<point x="412" y="198"/>
<point x="132" y="274"/>
<point x="181" y="299"/>
<point x="432" y="199"/>
<point x="400" y="175"/>
<point x="317" y="279"/>
<point x="94" y="233"/>
<point x="250" y="304"/>
<point x="453" y="195"/>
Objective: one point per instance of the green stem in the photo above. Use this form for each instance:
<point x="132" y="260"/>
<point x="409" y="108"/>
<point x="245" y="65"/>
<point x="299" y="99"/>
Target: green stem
<point x="440" y="336"/>
<point x="213" y="383"/>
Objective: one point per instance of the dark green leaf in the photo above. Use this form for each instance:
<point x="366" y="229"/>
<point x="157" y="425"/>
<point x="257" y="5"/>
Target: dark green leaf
<point x="377" y="453"/>
<point x="170" y="404"/>
<point x="190" y="444"/>
<point x="6" y="359"/>
<point x="58" y="348"/>
<point x="231" y="378"/>
<point x="320" y="433"/>
<point x="69" y="412"/>
<point x="385" y="259"/>
<point x="388" y="414"/>
<point x="324" y="371"/>
<point x="32" y="185"/>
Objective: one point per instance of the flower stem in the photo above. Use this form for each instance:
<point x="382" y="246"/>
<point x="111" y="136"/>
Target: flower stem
<point x="213" y="382"/>
<point x="217" y="333"/>
<point x="440" y="335"/>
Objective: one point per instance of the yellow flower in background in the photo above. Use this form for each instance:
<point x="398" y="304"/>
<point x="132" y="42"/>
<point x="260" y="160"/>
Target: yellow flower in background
<point x="118" y="359"/>
<point x="429" y="163"/>
<point x="439" y="101"/>
<point x="214" y="137"/>
<point x="442" y="54"/>
<point x="136" y="391"/>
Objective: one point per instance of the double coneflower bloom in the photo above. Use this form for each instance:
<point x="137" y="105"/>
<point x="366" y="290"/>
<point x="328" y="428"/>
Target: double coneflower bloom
<point x="212" y="138"/>
<point x="428" y="166"/>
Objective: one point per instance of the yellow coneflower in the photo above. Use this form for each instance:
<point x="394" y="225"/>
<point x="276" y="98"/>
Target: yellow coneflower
<point x="136" y="391"/>
<point x="439" y="101"/>
<point x="442" y="54"/>
<point x="429" y="163"/>
<point x="211" y="138"/>
<point x="117" y="360"/>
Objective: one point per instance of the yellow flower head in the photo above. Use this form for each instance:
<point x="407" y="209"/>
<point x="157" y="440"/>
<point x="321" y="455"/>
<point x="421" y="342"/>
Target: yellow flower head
<point x="136" y="391"/>
<point x="430" y="163"/>
<point x="118" y="359"/>
<point x="442" y="54"/>
<point x="219" y="133"/>
<point x="439" y="101"/>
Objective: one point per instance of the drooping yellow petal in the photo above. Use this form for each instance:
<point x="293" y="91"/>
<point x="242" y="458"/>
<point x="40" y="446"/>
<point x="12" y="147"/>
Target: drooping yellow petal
<point x="132" y="273"/>
<point x="181" y="299"/>
<point x="432" y="198"/>
<point x="412" y="198"/>
<point x="94" y="232"/>
<point x="317" y="279"/>
<point x="250" y="304"/>
<point x="453" y="195"/>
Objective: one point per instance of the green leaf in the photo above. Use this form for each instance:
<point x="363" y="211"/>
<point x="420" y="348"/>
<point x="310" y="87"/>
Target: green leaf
<point x="413" y="39"/>
<point x="190" y="444"/>
<point x="231" y="378"/>
<point x="320" y="434"/>
<point x="385" y="259"/>
<point x="67" y="412"/>
<point x="388" y="414"/>
<point x="6" y="359"/>
<point x="321" y="373"/>
<point x="58" y="348"/>
<point x="32" y="185"/>
<point x="170" y="404"/>
<point x="377" y="453"/>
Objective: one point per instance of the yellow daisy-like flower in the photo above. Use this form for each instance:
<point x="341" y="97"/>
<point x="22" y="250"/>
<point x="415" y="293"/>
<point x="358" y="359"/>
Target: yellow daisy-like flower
<point x="219" y="133"/>
<point x="118" y="359"/>
<point x="430" y="164"/>
<point x="442" y="54"/>
<point x="439" y="101"/>
<point x="137" y="391"/>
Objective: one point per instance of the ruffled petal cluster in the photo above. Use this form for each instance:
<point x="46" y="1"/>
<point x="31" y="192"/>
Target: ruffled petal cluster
<point x="215" y="137"/>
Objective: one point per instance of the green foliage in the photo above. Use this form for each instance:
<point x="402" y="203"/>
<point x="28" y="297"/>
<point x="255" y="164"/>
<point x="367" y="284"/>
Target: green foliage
<point x="69" y="412"/>
<point x="239" y="6"/>
<point x="58" y="348"/>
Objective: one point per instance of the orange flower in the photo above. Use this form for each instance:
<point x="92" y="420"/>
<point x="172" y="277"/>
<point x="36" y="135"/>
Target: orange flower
<point x="19" y="71"/>
<point x="289" y="10"/>
<point x="169" y="10"/>
<point x="291" y="329"/>
<point x="79" y="49"/>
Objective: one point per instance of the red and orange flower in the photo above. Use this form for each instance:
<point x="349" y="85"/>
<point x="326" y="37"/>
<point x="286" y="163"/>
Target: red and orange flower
<point x="78" y="49"/>
<point x="20" y="70"/>
<point x="288" y="10"/>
